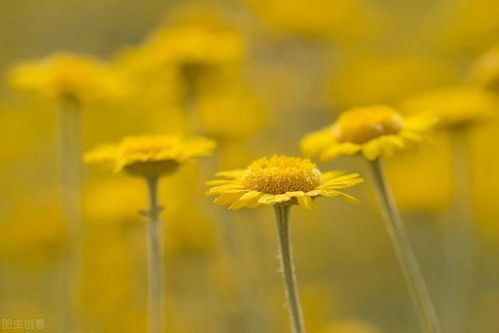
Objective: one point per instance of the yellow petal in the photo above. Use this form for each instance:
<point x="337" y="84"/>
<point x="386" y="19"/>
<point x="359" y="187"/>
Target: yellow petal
<point x="305" y="201"/>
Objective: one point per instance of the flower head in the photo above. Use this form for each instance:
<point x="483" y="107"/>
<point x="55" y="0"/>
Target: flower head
<point x="68" y="76"/>
<point x="374" y="131"/>
<point x="197" y="41"/>
<point x="279" y="180"/>
<point x="456" y="107"/>
<point x="485" y="70"/>
<point x="150" y="156"/>
<point x="319" y="18"/>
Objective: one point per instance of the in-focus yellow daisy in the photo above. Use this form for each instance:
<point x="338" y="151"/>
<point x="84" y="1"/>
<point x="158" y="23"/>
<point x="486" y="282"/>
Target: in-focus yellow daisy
<point x="67" y="76"/>
<point x="150" y="156"/>
<point x="373" y="131"/>
<point x="279" y="180"/>
<point x="456" y="107"/>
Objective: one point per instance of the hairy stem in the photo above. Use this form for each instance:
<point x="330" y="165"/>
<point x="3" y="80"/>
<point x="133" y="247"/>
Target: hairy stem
<point x="410" y="268"/>
<point x="155" y="260"/>
<point x="288" y="270"/>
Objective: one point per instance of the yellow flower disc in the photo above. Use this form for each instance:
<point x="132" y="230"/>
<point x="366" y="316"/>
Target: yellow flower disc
<point x="279" y="180"/>
<point x="373" y="131"/>
<point x="281" y="174"/>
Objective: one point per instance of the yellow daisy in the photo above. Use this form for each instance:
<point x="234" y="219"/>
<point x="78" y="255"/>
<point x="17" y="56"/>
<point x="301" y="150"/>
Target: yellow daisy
<point x="373" y="131"/>
<point x="279" y="180"/>
<point x="150" y="156"/>
<point x="68" y="76"/>
<point x="456" y="107"/>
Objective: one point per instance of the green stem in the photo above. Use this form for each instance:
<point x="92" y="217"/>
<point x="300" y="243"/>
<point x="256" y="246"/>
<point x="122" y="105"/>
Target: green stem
<point x="410" y="269"/>
<point x="70" y="155"/>
<point x="155" y="260"/>
<point x="288" y="270"/>
<point x="459" y="241"/>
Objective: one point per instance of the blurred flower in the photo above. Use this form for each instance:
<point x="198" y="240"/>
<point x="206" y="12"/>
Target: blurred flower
<point x="231" y="114"/>
<point x="318" y="18"/>
<point x="200" y="39"/>
<point x="349" y="327"/>
<point x="456" y="107"/>
<point x="279" y="180"/>
<point x="67" y="76"/>
<point x="485" y="70"/>
<point x="150" y="156"/>
<point x="366" y="79"/>
<point x="374" y="131"/>
<point x="196" y="43"/>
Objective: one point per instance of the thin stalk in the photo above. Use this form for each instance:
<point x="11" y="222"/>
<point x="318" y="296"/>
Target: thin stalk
<point x="155" y="260"/>
<point x="459" y="240"/>
<point x="405" y="255"/>
<point x="69" y="159"/>
<point x="190" y="76"/>
<point x="288" y="270"/>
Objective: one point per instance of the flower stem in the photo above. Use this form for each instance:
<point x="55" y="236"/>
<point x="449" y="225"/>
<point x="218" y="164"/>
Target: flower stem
<point x="288" y="270"/>
<point x="459" y="240"/>
<point x="69" y="117"/>
<point x="155" y="260"/>
<point x="412" y="274"/>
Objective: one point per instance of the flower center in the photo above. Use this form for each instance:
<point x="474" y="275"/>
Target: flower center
<point x="363" y="124"/>
<point x="280" y="174"/>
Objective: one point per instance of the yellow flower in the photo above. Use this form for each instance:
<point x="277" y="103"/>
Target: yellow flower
<point x="318" y="18"/>
<point x="68" y="76"/>
<point x="279" y="180"/>
<point x="367" y="79"/>
<point x="374" y="131"/>
<point x="485" y="70"/>
<point x="150" y="156"/>
<point x="456" y="107"/>
<point x="198" y="40"/>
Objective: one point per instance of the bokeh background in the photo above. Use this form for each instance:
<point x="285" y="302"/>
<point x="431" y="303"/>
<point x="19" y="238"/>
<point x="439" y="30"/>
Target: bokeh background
<point x="265" y="74"/>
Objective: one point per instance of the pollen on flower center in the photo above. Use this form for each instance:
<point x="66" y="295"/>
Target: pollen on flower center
<point x="363" y="124"/>
<point x="280" y="174"/>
